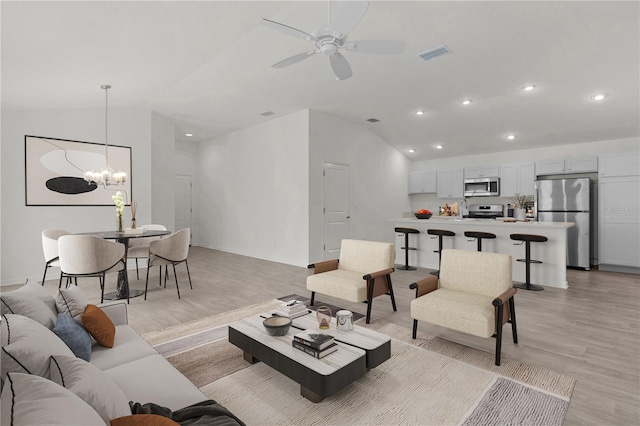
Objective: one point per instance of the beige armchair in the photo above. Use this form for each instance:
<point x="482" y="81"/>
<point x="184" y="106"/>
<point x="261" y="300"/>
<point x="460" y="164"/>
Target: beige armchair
<point x="171" y="250"/>
<point x="470" y="296"/>
<point x="89" y="256"/>
<point x="50" y="248"/>
<point x="139" y="247"/>
<point x="362" y="273"/>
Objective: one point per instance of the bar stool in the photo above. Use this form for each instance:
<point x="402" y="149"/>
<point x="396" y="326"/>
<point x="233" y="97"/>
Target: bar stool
<point x="479" y="235"/>
<point x="406" y="232"/>
<point x="527" y="239"/>
<point x="440" y="233"/>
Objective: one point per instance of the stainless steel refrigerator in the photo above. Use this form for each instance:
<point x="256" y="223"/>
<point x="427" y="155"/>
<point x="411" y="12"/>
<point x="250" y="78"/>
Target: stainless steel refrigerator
<point x="568" y="200"/>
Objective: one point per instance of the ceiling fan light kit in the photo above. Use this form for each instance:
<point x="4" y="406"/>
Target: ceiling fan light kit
<point x="330" y="39"/>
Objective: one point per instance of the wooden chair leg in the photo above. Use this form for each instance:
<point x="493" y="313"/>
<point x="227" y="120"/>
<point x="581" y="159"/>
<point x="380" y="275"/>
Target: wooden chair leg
<point x="175" y="275"/>
<point x="393" y="299"/>
<point x="313" y="297"/>
<point x="499" y="326"/>
<point x="370" y="284"/>
<point x="512" y="313"/>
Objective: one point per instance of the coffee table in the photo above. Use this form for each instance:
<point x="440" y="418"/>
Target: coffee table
<point x="358" y="351"/>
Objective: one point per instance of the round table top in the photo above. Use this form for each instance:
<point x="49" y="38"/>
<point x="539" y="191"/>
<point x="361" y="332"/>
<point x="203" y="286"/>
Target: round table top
<point x="115" y="235"/>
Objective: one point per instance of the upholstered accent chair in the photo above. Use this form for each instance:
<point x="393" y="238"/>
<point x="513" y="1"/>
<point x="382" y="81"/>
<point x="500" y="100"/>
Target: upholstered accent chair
<point x="470" y="295"/>
<point x="171" y="250"/>
<point x="50" y="248"/>
<point x="139" y="247"/>
<point x="89" y="256"/>
<point x="362" y="272"/>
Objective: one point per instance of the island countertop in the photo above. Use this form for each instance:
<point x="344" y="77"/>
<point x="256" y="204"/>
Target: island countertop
<point x="551" y="272"/>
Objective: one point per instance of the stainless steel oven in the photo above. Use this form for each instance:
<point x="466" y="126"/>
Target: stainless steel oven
<point x="483" y="187"/>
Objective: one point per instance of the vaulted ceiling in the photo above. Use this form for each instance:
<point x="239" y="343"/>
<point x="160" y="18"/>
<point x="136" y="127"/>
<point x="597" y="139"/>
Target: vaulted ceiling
<point x="207" y="66"/>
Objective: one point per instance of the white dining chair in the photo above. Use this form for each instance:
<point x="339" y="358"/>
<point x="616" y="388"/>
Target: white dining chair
<point x="89" y="256"/>
<point x="139" y="247"/>
<point x="171" y="250"/>
<point x="50" y="248"/>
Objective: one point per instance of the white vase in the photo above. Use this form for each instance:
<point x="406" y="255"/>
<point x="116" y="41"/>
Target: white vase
<point x="521" y="214"/>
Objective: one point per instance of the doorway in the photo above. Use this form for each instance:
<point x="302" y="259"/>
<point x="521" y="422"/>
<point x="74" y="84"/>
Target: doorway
<point x="337" y="208"/>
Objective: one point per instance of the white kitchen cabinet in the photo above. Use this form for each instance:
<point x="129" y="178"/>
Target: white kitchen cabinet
<point x="620" y="165"/>
<point x="517" y="178"/>
<point x="422" y="182"/>
<point x="480" y="172"/>
<point x="566" y="166"/>
<point x="450" y="183"/>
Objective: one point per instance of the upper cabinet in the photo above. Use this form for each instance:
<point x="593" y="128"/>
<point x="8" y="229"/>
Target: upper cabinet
<point x="422" y="182"/>
<point x="450" y="183"/>
<point x="573" y="165"/>
<point x="620" y="165"/>
<point x="517" y="178"/>
<point x="480" y="172"/>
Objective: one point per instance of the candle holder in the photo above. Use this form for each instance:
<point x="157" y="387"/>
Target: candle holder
<point x="323" y="314"/>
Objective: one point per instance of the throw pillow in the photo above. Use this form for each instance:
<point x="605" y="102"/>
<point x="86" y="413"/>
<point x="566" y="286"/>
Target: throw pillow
<point x="74" y="335"/>
<point x="143" y="420"/>
<point x="27" y="346"/>
<point x="71" y="301"/>
<point x="31" y="300"/>
<point x="92" y="385"/>
<point x="99" y="325"/>
<point x="31" y="400"/>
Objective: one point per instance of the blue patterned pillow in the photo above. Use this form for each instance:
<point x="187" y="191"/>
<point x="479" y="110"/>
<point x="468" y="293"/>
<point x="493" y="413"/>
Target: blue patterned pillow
<point x="74" y="335"/>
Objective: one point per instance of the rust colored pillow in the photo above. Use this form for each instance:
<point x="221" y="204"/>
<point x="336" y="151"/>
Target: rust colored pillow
<point x="99" y="325"/>
<point x="143" y="420"/>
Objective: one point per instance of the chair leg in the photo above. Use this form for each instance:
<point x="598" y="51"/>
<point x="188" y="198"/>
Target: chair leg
<point x="415" y="328"/>
<point x="44" y="276"/>
<point x="137" y="272"/>
<point x="188" y="274"/>
<point x="75" y="280"/>
<point x="499" y="333"/>
<point x="313" y="297"/>
<point x="512" y="312"/>
<point x="160" y="277"/>
<point x="175" y="275"/>
<point x="60" y="283"/>
<point x="146" y="283"/>
<point x="102" y="279"/>
<point x="393" y="299"/>
<point x="369" y="299"/>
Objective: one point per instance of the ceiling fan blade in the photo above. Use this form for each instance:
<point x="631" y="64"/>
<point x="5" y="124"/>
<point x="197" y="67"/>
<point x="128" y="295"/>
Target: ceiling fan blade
<point x="379" y="47"/>
<point x="340" y="66"/>
<point x="293" y="59"/>
<point x="348" y="17"/>
<point x="286" y="29"/>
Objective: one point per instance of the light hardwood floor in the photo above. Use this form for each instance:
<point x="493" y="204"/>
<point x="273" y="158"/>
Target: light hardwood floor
<point x="590" y="331"/>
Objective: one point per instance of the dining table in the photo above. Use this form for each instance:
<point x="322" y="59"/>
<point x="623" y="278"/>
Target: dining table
<point x="123" y="291"/>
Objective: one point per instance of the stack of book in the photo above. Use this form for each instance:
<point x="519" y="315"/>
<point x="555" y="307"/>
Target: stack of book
<point x="314" y="343"/>
<point x="292" y="309"/>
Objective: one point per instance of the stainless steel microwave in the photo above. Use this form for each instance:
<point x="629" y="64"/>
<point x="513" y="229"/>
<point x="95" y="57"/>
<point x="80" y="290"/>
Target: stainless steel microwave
<point x="483" y="187"/>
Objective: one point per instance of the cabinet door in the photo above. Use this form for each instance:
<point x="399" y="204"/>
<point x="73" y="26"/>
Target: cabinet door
<point x="422" y="182"/>
<point x="491" y="171"/>
<point x="549" y="167"/>
<point x="581" y="165"/>
<point x="472" y="172"/>
<point x="619" y="221"/>
<point x="508" y="180"/>
<point x="526" y="178"/>
<point x="457" y="183"/>
<point x="620" y="165"/>
<point x="444" y="183"/>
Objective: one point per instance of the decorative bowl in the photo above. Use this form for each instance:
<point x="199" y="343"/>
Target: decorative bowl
<point x="277" y="326"/>
<point x="423" y="216"/>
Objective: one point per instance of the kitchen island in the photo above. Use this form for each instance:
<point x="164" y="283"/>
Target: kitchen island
<point x="553" y="253"/>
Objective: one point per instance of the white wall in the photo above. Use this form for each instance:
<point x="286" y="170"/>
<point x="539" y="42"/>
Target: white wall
<point x="378" y="179"/>
<point x="21" y="247"/>
<point x="163" y="136"/>
<point x="250" y="194"/>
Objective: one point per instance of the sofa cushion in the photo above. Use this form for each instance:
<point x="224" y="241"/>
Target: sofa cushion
<point x="99" y="325"/>
<point x="467" y="312"/>
<point x="27" y="346"/>
<point x="31" y="300"/>
<point x="154" y="379"/>
<point x="74" y="335"/>
<point x="366" y="256"/>
<point x="143" y="420"/>
<point x="31" y="400"/>
<point x="340" y="283"/>
<point x="71" y="301"/>
<point x="484" y="273"/>
<point x="128" y="346"/>
<point x="92" y="385"/>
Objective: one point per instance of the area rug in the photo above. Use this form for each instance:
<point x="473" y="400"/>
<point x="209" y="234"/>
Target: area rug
<point x="426" y="381"/>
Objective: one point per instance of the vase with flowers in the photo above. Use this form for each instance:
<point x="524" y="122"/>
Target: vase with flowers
<point x="521" y="203"/>
<point x="119" y="202"/>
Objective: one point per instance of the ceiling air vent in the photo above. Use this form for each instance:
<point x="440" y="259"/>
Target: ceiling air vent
<point x="267" y="113"/>
<point x="372" y="120"/>
<point x="434" y="53"/>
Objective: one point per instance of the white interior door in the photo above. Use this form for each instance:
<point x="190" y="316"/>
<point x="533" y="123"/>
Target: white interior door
<point x="183" y="202"/>
<point x="337" y="205"/>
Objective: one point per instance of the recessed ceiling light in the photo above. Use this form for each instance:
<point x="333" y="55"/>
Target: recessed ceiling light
<point x="188" y="134"/>
<point x="511" y="137"/>
<point x="599" y="97"/>
<point x="437" y="146"/>
<point x="529" y="88"/>
<point x="419" y="112"/>
<point x="412" y="151"/>
<point x="466" y="102"/>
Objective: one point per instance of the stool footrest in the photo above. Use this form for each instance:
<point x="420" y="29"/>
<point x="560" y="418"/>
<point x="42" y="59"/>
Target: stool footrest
<point x="408" y="248"/>
<point x="530" y="260"/>
<point x="407" y="268"/>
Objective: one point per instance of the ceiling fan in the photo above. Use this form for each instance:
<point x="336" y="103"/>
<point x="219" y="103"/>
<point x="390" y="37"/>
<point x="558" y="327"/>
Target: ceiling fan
<point x="330" y="39"/>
